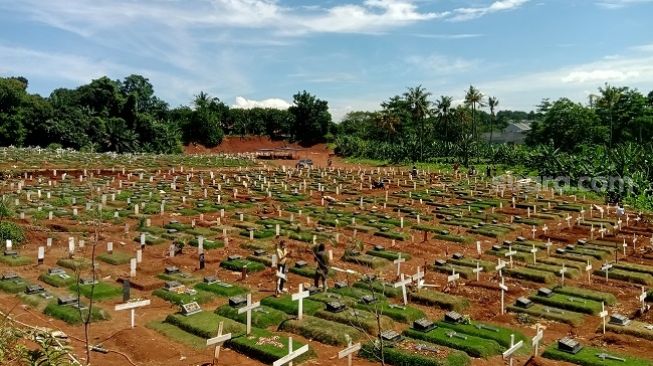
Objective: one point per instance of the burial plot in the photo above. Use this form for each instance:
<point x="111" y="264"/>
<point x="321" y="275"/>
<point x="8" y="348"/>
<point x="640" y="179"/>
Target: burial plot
<point x="11" y="283"/>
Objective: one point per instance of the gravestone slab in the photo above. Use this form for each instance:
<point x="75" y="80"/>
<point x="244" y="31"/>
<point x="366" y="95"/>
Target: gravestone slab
<point x="569" y="345"/>
<point x="34" y="289"/>
<point x="335" y="307"/>
<point x="368" y="299"/>
<point x="10" y="253"/>
<point x="424" y="325"/>
<point x="458" y="256"/>
<point x="259" y="252"/>
<point x="618" y="319"/>
<point x="341" y="284"/>
<point x="544" y="292"/>
<point x="524" y="302"/>
<point x="300" y="264"/>
<point x="391" y="336"/>
<point x="440" y="262"/>
<point x="10" y="276"/>
<point x="209" y="280"/>
<point x="234" y="257"/>
<point x="171" y="270"/>
<point x="190" y="308"/>
<point x="453" y="317"/>
<point x="237" y="301"/>
<point x="56" y="271"/>
<point x="67" y="300"/>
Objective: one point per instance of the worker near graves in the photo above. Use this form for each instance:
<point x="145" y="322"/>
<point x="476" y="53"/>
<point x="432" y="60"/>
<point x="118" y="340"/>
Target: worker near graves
<point x="414" y="171"/>
<point x="282" y="260"/>
<point x="621" y="211"/>
<point x="488" y="171"/>
<point x="322" y="271"/>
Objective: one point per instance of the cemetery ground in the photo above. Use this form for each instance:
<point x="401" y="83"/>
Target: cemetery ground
<point x="439" y="230"/>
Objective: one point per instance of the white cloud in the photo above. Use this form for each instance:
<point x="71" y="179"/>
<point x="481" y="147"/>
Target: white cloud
<point x="618" y="4"/>
<point x="462" y="14"/>
<point x="449" y="36"/>
<point x="440" y="64"/>
<point x="274" y="103"/>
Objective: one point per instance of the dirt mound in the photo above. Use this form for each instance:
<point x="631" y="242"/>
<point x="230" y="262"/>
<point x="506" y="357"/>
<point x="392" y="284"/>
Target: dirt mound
<point x="236" y="144"/>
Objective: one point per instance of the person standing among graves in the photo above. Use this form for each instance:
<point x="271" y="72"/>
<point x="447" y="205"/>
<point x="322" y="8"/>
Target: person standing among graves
<point x="414" y="171"/>
<point x="322" y="259"/>
<point x="282" y="259"/>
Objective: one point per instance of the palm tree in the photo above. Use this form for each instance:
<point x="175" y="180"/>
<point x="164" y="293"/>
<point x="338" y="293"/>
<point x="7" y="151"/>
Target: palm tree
<point x="474" y="99"/>
<point x="443" y="110"/>
<point x="417" y="99"/>
<point x="609" y="98"/>
<point x="493" y="103"/>
<point x="387" y="122"/>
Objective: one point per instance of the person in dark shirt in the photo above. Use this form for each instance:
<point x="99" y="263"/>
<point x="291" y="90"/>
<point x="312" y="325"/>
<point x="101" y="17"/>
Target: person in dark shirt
<point x="322" y="271"/>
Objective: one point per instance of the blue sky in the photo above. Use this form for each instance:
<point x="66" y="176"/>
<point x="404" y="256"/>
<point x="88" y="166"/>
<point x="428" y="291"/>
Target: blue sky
<point x="353" y="53"/>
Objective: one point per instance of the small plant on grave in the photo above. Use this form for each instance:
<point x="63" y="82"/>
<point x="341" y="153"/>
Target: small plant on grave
<point x="466" y="319"/>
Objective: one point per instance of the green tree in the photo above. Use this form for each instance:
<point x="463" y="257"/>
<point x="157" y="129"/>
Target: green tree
<point x="474" y="100"/>
<point x="420" y="108"/>
<point x="493" y="103"/>
<point x="311" y="118"/>
<point x="608" y="100"/>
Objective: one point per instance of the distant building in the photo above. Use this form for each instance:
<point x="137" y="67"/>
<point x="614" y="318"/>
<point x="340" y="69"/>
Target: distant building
<point x="514" y="133"/>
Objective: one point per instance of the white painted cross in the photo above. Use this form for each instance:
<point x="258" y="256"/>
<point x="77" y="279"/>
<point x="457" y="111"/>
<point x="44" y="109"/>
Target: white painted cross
<point x="478" y="271"/>
<point x="132" y="267"/>
<point x="510" y="253"/>
<point x="539" y="334"/>
<point x="588" y="269"/>
<point x="548" y="246"/>
<point x="419" y="278"/>
<point x="300" y="296"/>
<point x="513" y="348"/>
<point x="606" y="268"/>
<point x="8" y="244"/>
<point x="545" y="229"/>
<point x="287" y="359"/>
<point x="349" y="351"/>
<point x="398" y="262"/>
<point x="248" y="309"/>
<point x="402" y="283"/>
<point x="642" y="300"/>
<point x="503" y="288"/>
<point x="500" y="266"/>
<point x="453" y="277"/>
<point x="132" y="306"/>
<point x="534" y="251"/>
<point x="603" y="315"/>
<point x="562" y="274"/>
<point x="218" y="341"/>
<point x="534" y="230"/>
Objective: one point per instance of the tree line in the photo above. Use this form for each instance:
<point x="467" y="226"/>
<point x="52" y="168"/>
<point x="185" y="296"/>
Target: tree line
<point x="126" y="116"/>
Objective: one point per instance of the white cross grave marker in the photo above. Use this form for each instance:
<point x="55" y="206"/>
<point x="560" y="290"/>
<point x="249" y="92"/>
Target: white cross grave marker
<point x="500" y="266"/>
<point x="419" y="278"/>
<point x="562" y="274"/>
<point x="603" y="315"/>
<point x="478" y="271"/>
<point x="132" y="306"/>
<point x="539" y="334"/>
<point x="606" y="268"/>
<point x="287" y="359"/>
<point x="504" y="289"/>
<point x="349" y="351"/>
<point x="402" y="283"/>
<point x="642" y="300"/>
<point x="534" y="251"/>
<point x="588" y="269"/>
<point x="248" y="309"/>
<point x="513" y="348"/>
<point x="453" y="277"/>
<point x="300" y="296"/>
<point x="398" y="262"/>
<point x="218" y="341"/>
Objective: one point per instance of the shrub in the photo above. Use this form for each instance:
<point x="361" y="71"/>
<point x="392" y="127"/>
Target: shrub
<point x="11" y="231"/>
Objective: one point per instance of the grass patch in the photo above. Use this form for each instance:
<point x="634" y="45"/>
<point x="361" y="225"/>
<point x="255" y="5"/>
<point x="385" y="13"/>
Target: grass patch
<point x="587" y="357"/>
<point x="633" y="328"/>
<point x="357" y="318"/>
<point x="379" y="287"/>
<point x="239" y="264"/>
<point x="201" y="297"/>
<point x="115" y="258"/>
<point x="388" y="254"/>
<point x="208" y="244"/>
<point x="473" y="346"/>
<point x="365" y="260"/>
<point x="406" y="355"/>
<point x="102" y="291"/>
<point x="599" y="296"/>
<point x="262" y="317"/>
<point x="439" y="299"/>
<point x="15" y="261"/>
<point x="632" y="277"/>
<point x="177" y="334"/>
<point x="501" y="335"/>
<point x="285" y="304"/>
<point x="221" y="289"/>
<point x="530" y="274"/>
<point x="13" y="286"/>
<point x="74" y="264"/>
<point x="545" y="312"/>
<point x="184" y="278"/>
<point x="71" y="315"/>
<point x="322" y="330"/>
<point x="404" y="314"/>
